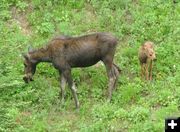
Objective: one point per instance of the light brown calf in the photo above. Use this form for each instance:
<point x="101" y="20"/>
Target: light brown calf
<point x="146" y="56"/>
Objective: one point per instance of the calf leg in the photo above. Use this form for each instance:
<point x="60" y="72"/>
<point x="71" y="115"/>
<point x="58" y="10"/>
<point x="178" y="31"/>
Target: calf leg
<point x="142" y="74"/>
<point x="151" y="66"/>
<point x="146" y="71"/>
<point x="143" y="71"/>
<point x="67" y="75"/>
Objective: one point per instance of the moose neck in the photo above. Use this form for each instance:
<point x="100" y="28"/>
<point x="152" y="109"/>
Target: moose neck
<point x="40" y="55"/>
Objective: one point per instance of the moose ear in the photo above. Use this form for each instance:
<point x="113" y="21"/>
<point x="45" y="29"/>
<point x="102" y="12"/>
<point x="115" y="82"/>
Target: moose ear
<point x="25" y="56"/>
<point x="30" y="49"/>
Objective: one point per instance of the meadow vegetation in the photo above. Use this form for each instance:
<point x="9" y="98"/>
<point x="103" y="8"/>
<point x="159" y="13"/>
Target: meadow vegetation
<point x="137" y="106"/>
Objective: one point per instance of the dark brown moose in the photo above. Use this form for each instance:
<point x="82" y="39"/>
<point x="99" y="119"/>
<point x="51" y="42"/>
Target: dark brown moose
<point x="70" y="52"/>
<point x="146" y="56"/>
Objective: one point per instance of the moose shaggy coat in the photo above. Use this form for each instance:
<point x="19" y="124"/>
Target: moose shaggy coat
<point x="70" y="52"/>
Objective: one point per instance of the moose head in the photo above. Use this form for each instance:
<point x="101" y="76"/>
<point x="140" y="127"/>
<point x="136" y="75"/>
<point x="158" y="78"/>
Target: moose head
<point x="29" y="66"/>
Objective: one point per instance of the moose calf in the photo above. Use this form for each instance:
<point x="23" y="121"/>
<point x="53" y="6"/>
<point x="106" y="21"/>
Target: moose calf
<point x="70" y="52"/>
<point x="146" y="56"/>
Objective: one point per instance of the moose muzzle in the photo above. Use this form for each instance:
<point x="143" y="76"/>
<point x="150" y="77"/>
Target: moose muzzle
<point x="27" y="78"/>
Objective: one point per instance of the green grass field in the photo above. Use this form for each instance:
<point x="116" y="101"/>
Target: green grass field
<point x="137" y="106"/>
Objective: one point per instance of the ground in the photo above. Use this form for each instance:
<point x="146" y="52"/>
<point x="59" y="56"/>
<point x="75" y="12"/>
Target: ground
<point x="136" y="105"/>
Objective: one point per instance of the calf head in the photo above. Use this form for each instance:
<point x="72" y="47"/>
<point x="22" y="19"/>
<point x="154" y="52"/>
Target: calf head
<point x="149" y="50"/>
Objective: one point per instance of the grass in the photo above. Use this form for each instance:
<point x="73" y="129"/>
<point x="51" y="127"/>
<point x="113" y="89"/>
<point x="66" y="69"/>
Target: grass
<point x="136" y="105"/>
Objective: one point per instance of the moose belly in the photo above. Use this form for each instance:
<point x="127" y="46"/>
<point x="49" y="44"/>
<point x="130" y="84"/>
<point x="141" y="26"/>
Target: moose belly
<point x="84" y="62"/>
<point x="85" y="56"/>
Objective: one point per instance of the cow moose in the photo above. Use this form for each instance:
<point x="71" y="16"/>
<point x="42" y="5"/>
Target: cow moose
<point x="146" y="56"/>
<point x="71" y="52"/>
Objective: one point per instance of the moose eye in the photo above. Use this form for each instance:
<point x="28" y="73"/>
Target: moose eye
<point x="25" y="65"/>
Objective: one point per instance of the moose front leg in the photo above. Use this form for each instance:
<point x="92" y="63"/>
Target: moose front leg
<point x="67" y="75"/>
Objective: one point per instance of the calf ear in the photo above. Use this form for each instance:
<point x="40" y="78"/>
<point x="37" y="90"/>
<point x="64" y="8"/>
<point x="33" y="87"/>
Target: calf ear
<point x="144" y="47"/>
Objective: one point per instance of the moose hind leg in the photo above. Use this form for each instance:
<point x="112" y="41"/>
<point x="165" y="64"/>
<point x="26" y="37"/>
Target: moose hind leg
<point x="112" y="82"/>
<point x="71" y="85"/>
<point x="74" y="91"/>
<point x="117" y="70"/>
<point x="116" y="73"/>
<point x="63" y="85"/>
<point x="112" y="76"/>
<point x="111" y="85"/>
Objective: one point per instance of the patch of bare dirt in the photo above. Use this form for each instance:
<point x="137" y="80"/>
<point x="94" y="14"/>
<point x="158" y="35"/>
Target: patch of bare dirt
<point x="20" y="18"/>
